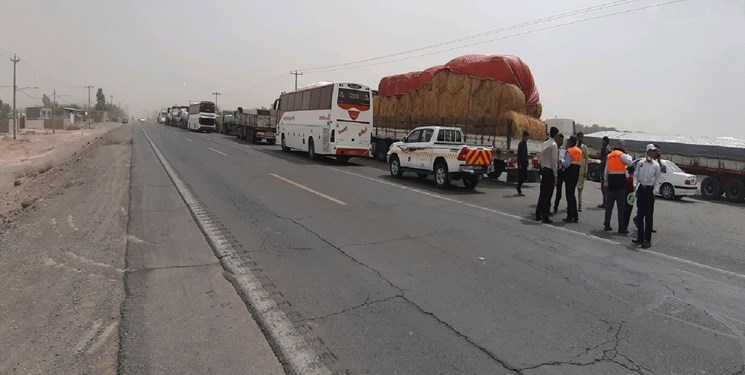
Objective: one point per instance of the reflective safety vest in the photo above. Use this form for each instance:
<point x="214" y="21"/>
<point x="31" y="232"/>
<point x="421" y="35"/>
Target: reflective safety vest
<point x="576" y="153"/>
<point x="615" y="164"/>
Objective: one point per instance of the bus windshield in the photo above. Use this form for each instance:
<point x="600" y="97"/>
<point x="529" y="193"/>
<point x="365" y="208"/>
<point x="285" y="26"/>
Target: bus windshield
<point x="207" y="107"/>
<point x="354" y="97"/>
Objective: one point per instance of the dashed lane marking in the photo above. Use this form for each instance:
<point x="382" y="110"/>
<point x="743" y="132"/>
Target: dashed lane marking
<point x="219" y="152"/>
<point x="316" y="192"/>
<point x="188" y="139"/>
<point x="285" y="338"/>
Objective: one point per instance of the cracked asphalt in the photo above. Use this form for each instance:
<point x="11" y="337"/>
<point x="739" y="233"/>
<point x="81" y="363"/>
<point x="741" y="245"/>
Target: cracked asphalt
<point x="401" y="281"/>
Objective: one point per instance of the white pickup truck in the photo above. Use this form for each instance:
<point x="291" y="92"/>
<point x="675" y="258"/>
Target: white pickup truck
<point x="442" y="152"/>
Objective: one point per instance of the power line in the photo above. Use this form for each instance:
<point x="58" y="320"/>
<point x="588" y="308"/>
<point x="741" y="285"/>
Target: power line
<point x="257" y="85"/>
<point x="505" y="37"/>
<point x="485" y="33"/>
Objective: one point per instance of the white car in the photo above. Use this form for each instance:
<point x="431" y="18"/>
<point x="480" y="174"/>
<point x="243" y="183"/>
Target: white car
<point x="142" y="120"/>
<point x="674" y="183"/>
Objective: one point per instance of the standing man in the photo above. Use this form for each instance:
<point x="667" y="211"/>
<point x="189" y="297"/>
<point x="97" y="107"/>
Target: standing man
<point x="582" y="168"/>
<point x="549" y="166"/>
<point x="522" y="163"/>
<point x="603" y="162"/>
<point x="629" y="196"/>
<point x="560" y="173"/>
<point x="572" y="163"/>
<point x="647" y="175"/>
<point x="614" y="186"/>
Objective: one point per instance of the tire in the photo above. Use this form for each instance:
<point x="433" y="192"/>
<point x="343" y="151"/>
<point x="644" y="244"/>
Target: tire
<point x="395" y="167"/>
<point x="284" y="145"/>
<point x="251" y="135"/>
<point x="342" y="159"/>
<point x="470" y="181"/>
<point x="678" y="197"/>
<point x="442" y="176"/>
<point x="271" y="142"/>
<point x="667" y="191"/>
<point x="734" y="190"/>
<point x="593" y="174"/>
<point x="381" y="150"/>
<point x="499" y="168"/>
<point x="311" y="149"/>
<point x="711" y="188"/>
<point x="423" y="176"/>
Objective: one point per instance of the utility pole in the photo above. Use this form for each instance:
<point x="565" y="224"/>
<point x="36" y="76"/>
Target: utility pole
<point x="15" y="61"/>
<point x="215" y="94"/>
<point x="295" y="73"/>
<point x="89" y="87"/>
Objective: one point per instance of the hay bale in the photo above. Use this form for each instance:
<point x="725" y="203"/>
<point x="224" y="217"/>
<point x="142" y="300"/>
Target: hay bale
<point x="376" y="105"/>
<point x="440" y="82"/>
<point x="403" y="106"/>
<point x="456" y="82"/>
<point x="536" y="128"/>
<point x="534" y="110"/>
<point x="462" y="101"/>
<point x="512" y="99"/>
<point x="416" y="104"/>
<point x="430" y="104"/>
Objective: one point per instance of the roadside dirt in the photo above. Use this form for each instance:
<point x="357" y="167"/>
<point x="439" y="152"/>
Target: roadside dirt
<point x="62" y="245"/>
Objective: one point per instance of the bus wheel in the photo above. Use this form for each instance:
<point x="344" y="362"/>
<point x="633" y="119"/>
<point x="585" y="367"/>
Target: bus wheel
<point x="284" y="145"/>
<point x="311" y="149"/>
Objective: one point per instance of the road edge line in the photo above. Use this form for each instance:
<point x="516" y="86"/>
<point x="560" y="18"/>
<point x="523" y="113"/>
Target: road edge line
<point x="286" y="341"/>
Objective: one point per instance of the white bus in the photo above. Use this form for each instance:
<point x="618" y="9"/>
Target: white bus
<point x="327" y="119"/>
<point x="201" y="117"/>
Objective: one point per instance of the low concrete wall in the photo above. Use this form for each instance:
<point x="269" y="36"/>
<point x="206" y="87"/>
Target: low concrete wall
<point x="5" y="126"/>
<point x="34" y="124"/>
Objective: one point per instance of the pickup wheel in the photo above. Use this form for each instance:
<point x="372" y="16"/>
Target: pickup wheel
<point x="442" y="176"/>
<point x="395" y="167"/>
<point x="423" y="176"/>
<point x="470" y="181"/>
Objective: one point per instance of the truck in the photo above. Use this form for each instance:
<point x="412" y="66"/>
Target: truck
<point x="177" y="116"/>
<point x="255" y="125"/>
<point x="719" y="160"/>
<point x="442" y="152"/>
<point x="227" y="125"/>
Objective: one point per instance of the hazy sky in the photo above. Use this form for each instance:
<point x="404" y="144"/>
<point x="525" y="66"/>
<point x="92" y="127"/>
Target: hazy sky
<point x="672" y="69"/>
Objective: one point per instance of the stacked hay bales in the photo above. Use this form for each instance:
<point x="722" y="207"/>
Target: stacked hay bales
<point x="487" y="95"/>
<point x="458" y="99"/>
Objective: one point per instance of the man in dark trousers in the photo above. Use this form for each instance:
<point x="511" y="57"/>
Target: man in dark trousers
<point x="549" y="167"/>
<point x="647" y="173"/>
<point x="614" y="186"/>
<point x="560" y="172"/>
<point x="572" y="165"/>
<point x="603" y="162"/>
<point x="522" y="163"/>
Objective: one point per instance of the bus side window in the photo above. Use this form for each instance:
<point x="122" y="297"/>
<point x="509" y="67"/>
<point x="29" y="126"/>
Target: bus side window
<point x="306" y="100"/>
<point x="326" y="96"/>
<point x="290" y="105"/>
<point x="315" y="99"/>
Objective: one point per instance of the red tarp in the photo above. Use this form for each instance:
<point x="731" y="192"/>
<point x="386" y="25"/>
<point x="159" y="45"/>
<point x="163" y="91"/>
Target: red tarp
<point x="503" y="68"/>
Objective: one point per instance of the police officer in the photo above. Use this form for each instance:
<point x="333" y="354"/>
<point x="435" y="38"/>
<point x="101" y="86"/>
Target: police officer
<point x="614" y="186"/>
<point x="572" y="165"/>
<point x="647" y="173"/>
<point x="582" y="169"/>
<point x="603" y="162"/>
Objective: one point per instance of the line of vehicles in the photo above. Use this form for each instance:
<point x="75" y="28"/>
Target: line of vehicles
<point x="336" y="119"/>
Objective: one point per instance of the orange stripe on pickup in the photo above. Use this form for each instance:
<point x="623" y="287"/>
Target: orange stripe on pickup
<point x="479" y="157"/>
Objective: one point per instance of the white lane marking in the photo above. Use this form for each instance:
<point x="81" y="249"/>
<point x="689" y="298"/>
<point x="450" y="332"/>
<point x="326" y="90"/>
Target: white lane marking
<point x="88" y="336"/>
<point x="301" y="357"/>
<point x="85" y="260"/>
<point x="219" y="152"/>
<point x="316" y="192"/>
<point x="72" y="224"/>
<point x="188" y="139"/>
<point x="650" y="252"/>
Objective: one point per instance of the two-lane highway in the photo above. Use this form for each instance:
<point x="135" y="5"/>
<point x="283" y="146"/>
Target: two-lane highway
<point x="387" y="277"/>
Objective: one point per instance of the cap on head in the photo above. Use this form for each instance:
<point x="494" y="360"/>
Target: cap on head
<point x="652" y="147"/>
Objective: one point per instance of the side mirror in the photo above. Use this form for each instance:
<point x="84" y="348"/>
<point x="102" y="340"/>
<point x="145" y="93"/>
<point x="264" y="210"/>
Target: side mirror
<point x="406" y="139"/>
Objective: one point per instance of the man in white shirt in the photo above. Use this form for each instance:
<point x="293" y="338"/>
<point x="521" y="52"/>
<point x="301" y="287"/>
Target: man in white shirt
<point x="549" y="167"/>
<point x="560" y="174"/>
<point x="647" y="173"/>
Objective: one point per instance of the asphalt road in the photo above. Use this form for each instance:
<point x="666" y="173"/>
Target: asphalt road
<point x="396" y="277"/>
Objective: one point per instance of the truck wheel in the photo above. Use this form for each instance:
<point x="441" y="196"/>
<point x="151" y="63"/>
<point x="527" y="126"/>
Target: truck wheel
<point x="667" y="191"/>
<point x="442" y="177"/>
<point x="284" y="146"/>
<point x="710" y="188"/>
<point x="423" y="176"/>
<point x="592" y="173"/>
<point x="342" y="158"/>
<point x="271" y="141"/>
<point x="395" y="167"/>
<point x="734" y="189"/>
<point x="470" y="181"/>
<point x="381" y="149"/>
<point x="311" y="149"/>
